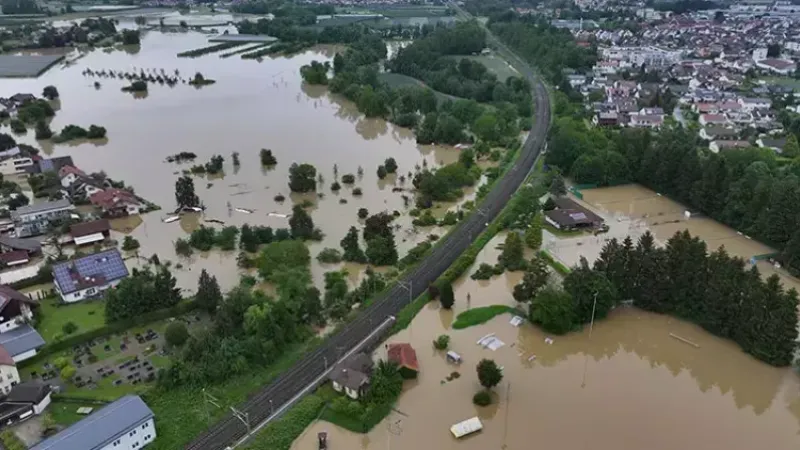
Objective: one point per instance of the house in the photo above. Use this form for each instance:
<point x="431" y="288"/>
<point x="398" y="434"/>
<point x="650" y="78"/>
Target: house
<point x="713" y="119"/>
<point x="31" y="220"/>
<point x="352" y="376"/>
<point x="22" y="341"/>
<point x="606" y="119"/>
<point x="779" y="66"/>
<point x="125" y="424"/>
<point x="51" y="164"/>
<point x="28" y="247"/>
<point x="69" y="175"/>
<point x="16" y="309"/>
<point x="717" y="146"/>
<point x="751" y="103"/>
<point x="9" y="376"/>
<point x="90" y="232"/>
<point x="405" y="357"/>
<point x="15" y="161"/>
<point x="646" y="121"/>
<point x="78" y="185"/>
<point x="89" y="276"/>
<point x="774" y="144"/>
<point x="24" y="401"/>
<point x="116" y="202"/>
<point x="717" y="132"/>
<point x="21" y="99"/>
<point x="14" y="258"/>
<point x="569" y="215"/>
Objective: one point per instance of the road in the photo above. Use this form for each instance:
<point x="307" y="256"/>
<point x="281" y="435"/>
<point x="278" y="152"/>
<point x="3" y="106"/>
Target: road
<point x="262" y="404"/>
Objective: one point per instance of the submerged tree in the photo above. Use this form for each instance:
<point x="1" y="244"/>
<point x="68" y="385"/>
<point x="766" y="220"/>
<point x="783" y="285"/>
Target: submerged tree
<point x="184" y="192"/>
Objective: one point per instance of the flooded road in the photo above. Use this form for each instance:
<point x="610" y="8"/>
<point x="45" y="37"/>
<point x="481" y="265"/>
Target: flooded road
<point x="628" y="385"/>
<point x="253" y="105"/>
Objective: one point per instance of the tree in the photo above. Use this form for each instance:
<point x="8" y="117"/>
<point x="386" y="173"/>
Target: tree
<point x="553" y="310"/>
<point x="300" y="223"/>
<point x="381" y="251"/>
<point x="176" y="334"/>
<point x="390" y="165"/>
<point x="281" y="256"/>
<point x="43" y="130"/>
<point x="7" y="142"/>
<point x="208" y="295"/>
<point x="67" y="372"/>
<point x="184" y="192"/>
<point x="50" y="92"/>
<point x="446" y="296"/>
<point x="774" y="50"/>
<point x="792" y="148"/>
<point x="557" y="185"/>
<point x="482" y="398"/>
<point x="489" y="374"/>
<point x="267" y="158"/>
<point x="533" y="234"/>
<point x="382" y="172"/>
<point x="302" y="178"/>
<point x="467" y="158"/>
<point x="129" y="243"/>
<point x="512" y="257"/>
<point x="69" y="327"/>
<point x="535" y="278"/>
<point x="586" y="285"/>
<point x="130" y="37"/>
<point x="352" y="250"/>
<point x="315" y="73"/>
<point x="441" y="342"/>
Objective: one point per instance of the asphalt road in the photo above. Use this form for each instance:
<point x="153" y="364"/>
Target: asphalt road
<point x="286" y="386"/>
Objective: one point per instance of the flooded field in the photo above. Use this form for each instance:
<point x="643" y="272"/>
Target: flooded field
<point x="631" y="210"/>
<point x="253" y="105"/>
<point x="628" y="385"/>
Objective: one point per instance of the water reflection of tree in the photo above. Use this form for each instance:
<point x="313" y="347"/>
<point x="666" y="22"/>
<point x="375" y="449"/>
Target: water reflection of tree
<point x="313" y="90"/>
<point x="729" y="372"/>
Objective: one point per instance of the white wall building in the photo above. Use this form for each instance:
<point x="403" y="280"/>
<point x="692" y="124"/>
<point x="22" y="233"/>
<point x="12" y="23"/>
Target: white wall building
<point x="9" y="375"/>
<point x="126" y="424"/>
<point x="89" y="276"/>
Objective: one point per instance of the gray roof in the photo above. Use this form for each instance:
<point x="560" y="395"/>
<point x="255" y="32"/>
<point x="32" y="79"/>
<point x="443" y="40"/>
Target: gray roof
<point x="29" y="245"/>
<point x="21" y="339"/>
<point x="102" y="427"/>
<point x="40" y="207"/>
<point x="26" y="65"/>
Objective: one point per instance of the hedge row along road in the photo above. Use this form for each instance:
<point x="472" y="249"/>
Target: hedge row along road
<point x="283" y="389"/>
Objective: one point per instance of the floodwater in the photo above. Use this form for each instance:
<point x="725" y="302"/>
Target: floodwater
<point x="253" y="105"/>
<point x="625" y="385"/>
<point x="633" y="209"/>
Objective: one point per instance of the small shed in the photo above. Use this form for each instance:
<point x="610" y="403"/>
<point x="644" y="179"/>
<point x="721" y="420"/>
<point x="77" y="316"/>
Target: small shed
<point x="405" y="357"/>
<point x="466" y="427"/>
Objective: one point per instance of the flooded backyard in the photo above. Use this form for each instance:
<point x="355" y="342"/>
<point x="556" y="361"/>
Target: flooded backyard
<point x="253" y="105"/>
<point x="627" y="385"/>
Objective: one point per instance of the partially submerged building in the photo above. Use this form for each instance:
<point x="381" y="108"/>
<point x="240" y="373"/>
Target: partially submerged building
<point x="570" y="215"/>
<point x="352" y="376"/>
<point x="35" y="219"/>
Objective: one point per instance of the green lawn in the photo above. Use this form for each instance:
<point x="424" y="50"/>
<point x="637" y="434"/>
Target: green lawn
<point x="87" y="315"/>
<point x="397" y="80"/>
<point x="477" y="316"/>
<point x="782" y="81"/>
<point x="65" y="412"/>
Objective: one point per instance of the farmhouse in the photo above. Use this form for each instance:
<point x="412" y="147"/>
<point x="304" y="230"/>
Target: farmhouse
<point x="405" y="357"/>
<point x="23" y="402"/>
<point x="89" y="276"/>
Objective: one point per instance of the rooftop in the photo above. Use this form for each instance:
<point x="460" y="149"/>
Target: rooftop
<point x="100" y="428"/>
<point x="21" y="339"/>
<point x="93" y="270"/>
<point x="30" y="392"/>
<point x="404" y="355"/>
<point x="242" y="38"/>
<point x="41" y="207"/>
<point x="87" y="228"/>
<point x="29" y="245"/>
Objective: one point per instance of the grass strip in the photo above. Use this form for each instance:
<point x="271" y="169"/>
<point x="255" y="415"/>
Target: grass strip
<point x="556" y="265"/>
<point x="478" y="316"/>
<point x="279" y="434"/>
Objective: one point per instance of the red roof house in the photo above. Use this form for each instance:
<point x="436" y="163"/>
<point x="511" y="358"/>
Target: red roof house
<point x="405" y="357"/>
<point x="116" y="202"/>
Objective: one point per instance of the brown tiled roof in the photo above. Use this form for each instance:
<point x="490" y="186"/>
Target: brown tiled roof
<point x="14" y="256"/>
<point x="404" y="355"/>
<point x="87" y="228"/>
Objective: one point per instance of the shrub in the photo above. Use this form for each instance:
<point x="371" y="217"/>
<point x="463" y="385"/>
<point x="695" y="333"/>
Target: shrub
<point x="357" y="191"/>
<point x="17" y="126"/>
<point x="482" y="398"/>
<point x="363" y="213"/>
<point x="67" y="372"/>
<point x="381" y="172"/>
<point x="183" y="247"/>
<point x="176" y="334"/>
<point x="336" y="186"/>
<point x="442" y="342"/>
<point x="348" y="178"/>
<point x="329" y="256"/>
<point x="130" y="243"/>
<point x="279" y="198"/>
<point x="433" y="291"/>
<point x="486" y="271"/>
<point x="61" y="362"/>
<point x="69" y="328"/>
<point x="267" y="158"/>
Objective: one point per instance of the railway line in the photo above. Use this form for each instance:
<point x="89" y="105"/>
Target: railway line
<point x="288" y="386"/>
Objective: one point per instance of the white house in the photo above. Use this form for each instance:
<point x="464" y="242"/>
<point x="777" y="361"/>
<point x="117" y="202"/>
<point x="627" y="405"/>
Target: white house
<point x="751" y="103"/>
<point x="126" y="424"/>
<point x="89" y="276"/>
<point x="14" y="161"/>
<point x="34" y="219"/>
<point x="17" y="337"/>
<point x="9" y="376"/>
<point x="351" y="376"/>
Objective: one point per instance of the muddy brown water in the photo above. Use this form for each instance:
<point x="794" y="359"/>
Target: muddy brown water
<point x="253" y="105"/>
<point x="625" y="385"/>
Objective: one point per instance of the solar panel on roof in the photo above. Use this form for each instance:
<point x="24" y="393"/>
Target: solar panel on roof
<point x="578" y="216"/>
<point x="108" y="264"/>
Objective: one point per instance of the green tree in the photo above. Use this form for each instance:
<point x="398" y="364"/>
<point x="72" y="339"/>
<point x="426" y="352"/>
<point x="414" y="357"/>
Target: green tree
<point x="208" y="295"/>
<point x="441" y="342"/>
<point x="130" y="243"/>
<point x="350" y="245"/>
<point x="557" y="185"/>
<point x="381" y="172"/>
<point x="282" y="255"/>
<point x="43" y="130"/>
<point x="50" y="92"/>
<point x="791" y="149"/>
<point x="69" y="328"/>
<point x="176" y="334"/>
<point x="585" y="285"/>
<point x="302" y="178"/>
<point x="489" y="374"/>
<point x="390" y="165"/>
<point x="300" y="223"/>
<point x="533" y="234"/>
<point x="535" y="278"/>
<point x="184" y="192"/>
<point x="381" y="251"/>
<point x="553" y="310"/>
<point x="512" y="257"/>
<point x="315" y="73"/>
<point x="446" y="296"/>
<point x="267" y="158"/>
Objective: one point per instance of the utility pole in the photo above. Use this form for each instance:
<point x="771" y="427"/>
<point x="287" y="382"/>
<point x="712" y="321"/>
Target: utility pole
<point x="409" y="287"/>
<point x="508" y="407"/>
<point x="208" y="398"/>
<point x="586" y="353"/>
<point x="243" y="417"/>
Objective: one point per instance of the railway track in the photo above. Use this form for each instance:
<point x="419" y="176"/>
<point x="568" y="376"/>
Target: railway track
<point x="263" y="404"/>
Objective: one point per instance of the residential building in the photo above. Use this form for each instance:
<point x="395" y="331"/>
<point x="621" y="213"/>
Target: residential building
<point x="35" y="219"/>
<point x="779" y="66"/>
<point x="646" y="120"/>
<point x="24" y="401"/>
<point x="606" y="119"/>
<point x="774" y="144"/>
<point x="9" y="376"/>
<point x="88" y="276"/>
<point x="15" y="251"/>
<point x="352" y="376"/>
<point x="405" y="357"/>
<point x="718" y="146"/>
<point x="90" y="232"/>
<point x="713" y="119"/>
<point x="569" y="215"/>
<point x="749" y="104"/>
<point x="78" y="185"/>
<point x="126" y="424"/>
<point x="116" y="202"/>
<point x="51" y="164"/>
<point x="14" y="161"/>
<point x="713" y="132"/>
